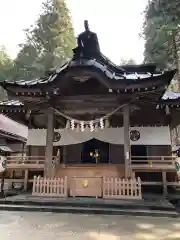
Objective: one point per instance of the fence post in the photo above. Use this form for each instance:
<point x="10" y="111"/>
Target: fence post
<point x="65" y="186"/>
<point x="139" y="187"/>
<point x="34" y="185"/>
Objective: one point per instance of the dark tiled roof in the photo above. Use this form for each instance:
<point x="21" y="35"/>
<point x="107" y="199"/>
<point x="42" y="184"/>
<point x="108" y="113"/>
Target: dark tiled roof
<point x="11" y="127"/>
<point x="88" y="62"/>
<point x="113" y="73"/>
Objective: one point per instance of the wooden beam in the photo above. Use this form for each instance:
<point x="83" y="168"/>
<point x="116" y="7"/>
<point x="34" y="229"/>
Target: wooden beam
<point x="27" y="98"/>
<point x="90" y="111"/>
<point x="127" y="146"/>
<point x="13" y="90"/>
<point x="95" y="97"/>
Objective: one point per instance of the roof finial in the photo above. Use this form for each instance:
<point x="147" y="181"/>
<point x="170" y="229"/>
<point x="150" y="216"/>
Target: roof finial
<point x="86" y="25"/>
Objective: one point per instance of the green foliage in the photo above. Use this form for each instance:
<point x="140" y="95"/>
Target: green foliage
<point x="161" y="26"/>
<point x="25" y="65"/>
<point x="161" y="31"/>
<point x="6" y="64"/>
<point x="6" y="70"/>
<point x="49" y="42"/>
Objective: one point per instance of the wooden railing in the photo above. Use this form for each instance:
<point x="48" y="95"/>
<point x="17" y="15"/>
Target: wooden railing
<point x="51" y="187"/>
<point x="117" y="188"/>
<point x="153" y="162"/>
<point x="25" y="162"/>
<point x="137" y="162"/>
<point x="25" y="159"/>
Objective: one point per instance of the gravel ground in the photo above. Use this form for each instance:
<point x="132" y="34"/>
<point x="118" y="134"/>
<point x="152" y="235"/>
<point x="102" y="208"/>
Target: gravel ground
<point x="49" y="226"/>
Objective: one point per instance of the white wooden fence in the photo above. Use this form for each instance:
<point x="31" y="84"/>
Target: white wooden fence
<point x="117" y="188"/>
<point x="112" y="188"/>
<point x="51" y="187"/>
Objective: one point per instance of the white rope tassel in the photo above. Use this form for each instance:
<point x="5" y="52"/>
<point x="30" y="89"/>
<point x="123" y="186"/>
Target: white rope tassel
<point x="91" y="125"/>
<point x="72" y="124"/>
<point x="101" y="123"/>
<point x="82" y="126"/>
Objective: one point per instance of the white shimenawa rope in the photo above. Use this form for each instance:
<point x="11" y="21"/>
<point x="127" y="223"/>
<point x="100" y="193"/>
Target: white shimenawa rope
<point x="97" y="120"/>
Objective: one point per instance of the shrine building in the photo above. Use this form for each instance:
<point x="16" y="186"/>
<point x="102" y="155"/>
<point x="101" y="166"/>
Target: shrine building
<point x="90" y="122"/>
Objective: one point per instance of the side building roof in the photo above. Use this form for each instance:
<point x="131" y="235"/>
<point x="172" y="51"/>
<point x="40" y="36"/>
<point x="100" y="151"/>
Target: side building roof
<point x="13" y="129"/>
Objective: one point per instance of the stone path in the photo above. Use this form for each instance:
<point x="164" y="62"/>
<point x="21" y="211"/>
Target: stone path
<point x="49" y="226"/>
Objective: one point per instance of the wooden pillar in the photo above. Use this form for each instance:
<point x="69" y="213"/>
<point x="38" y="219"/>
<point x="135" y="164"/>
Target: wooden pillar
<point x="26" y="180"/>
<point x="165" y="192"/>
<point x="127" y="145"/>
<point x="48" y="168"/>
<point x="65" y="155"/>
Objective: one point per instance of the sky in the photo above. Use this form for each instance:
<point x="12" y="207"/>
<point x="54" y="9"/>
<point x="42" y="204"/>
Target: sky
<point x="116" y="22"/>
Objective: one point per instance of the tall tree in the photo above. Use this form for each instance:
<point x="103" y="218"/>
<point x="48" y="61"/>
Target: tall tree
<point x="161" y="33"/>
<point x="160" y="29"/>
<point x="49" y="42"/>
<point x="6" y="70"/>
<point x="6" y="64"/>
<point x="25" y="63"/>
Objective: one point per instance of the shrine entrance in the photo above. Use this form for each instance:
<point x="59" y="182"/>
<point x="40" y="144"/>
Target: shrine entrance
<point x="139" y="152"/>
<point x="95" y="151"/>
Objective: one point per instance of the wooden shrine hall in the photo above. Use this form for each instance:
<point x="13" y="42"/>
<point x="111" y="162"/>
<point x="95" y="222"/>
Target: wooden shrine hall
<point x="96" y="129"/>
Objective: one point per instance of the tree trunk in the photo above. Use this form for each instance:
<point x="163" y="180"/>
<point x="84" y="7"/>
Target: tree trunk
<point x="176" y="56"/>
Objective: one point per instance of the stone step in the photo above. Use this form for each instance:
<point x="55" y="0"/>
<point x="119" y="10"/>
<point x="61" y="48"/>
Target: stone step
<point x="89" y="203"/>
<point x="89" y="210"/>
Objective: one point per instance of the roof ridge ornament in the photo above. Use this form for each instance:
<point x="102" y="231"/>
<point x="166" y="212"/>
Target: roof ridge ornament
<point x="88" y="44"/>
<point x="86" y="25"/>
